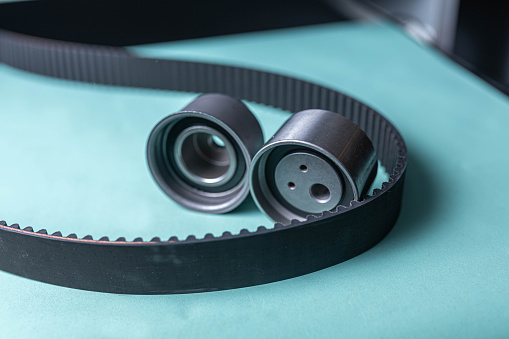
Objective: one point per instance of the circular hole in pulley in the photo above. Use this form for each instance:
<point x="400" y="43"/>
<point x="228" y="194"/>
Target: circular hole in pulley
<point x="320" y="193"/>
<point x="205" y="156"/>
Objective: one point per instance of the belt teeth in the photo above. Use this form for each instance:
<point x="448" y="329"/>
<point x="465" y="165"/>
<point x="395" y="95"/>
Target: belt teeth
<point x="114" y="66"/>
<point x="261" y="229"/>
<point x="226" y="234"/>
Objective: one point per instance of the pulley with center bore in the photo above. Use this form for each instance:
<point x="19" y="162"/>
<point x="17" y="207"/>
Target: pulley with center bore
<point x="316" y="161"/>
<point x="200" y="156"/>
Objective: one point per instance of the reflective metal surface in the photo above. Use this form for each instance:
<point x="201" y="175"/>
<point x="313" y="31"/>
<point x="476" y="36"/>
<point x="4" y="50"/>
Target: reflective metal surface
<point x="316" y="161"/>
<point x="200" y="156"/>
<point x="308" y="182"/>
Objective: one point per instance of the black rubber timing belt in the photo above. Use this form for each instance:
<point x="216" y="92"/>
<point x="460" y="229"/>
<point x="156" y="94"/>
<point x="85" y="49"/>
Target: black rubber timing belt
<point x="212" y="263"/>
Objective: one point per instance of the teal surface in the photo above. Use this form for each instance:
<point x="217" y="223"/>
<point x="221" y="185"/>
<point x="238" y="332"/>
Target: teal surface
<point x="72" y="159"/>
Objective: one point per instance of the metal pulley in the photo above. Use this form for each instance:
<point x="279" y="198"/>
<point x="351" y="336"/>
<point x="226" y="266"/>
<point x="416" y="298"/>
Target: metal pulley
<point x="200" y="156"/>
<point x="316" y="161"/>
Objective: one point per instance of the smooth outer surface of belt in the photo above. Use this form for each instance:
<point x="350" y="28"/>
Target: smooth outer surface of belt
<point x="212" y="263"/>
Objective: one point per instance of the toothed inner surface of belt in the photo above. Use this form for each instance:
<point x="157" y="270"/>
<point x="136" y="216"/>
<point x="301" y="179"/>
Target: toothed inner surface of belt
<point x="112" y="66"/>
<point x="210" y="263"/>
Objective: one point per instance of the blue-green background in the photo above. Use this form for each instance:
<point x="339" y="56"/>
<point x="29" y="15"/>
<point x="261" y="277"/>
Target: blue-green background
<point x="72" y="159"/>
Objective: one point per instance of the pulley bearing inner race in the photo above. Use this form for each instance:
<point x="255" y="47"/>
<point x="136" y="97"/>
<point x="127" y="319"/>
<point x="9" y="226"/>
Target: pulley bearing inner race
<point x="315" y="162"/>
<point x="205" y="156"/>
<point x="200" y="156"/>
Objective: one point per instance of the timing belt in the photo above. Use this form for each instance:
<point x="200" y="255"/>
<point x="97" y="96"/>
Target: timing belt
<point x="214" y="262"/>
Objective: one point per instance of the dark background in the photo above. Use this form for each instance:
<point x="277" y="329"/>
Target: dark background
<point x="480" y="43"/>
